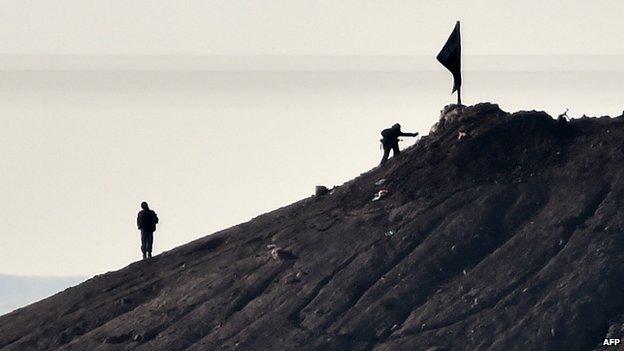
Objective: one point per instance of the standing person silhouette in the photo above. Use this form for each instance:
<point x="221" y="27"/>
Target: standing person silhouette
<point x="146" y="222"/>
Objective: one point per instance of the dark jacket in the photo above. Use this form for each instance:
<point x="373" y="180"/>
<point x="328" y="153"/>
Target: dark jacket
<point x="391" y="136"/>
<point x="146" y="220"/>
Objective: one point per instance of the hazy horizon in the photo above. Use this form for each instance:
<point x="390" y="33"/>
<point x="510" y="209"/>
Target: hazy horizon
<point x="19" y="291"/>
<point x="295" y="63"/>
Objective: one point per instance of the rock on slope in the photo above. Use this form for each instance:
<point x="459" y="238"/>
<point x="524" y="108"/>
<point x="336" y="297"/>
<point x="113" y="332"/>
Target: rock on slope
<point x="509" y="239"/>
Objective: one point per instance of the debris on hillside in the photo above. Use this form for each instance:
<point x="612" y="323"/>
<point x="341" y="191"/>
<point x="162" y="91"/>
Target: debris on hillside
<point x="281" y="254"/>
<point x="390" y="233"/>
<point x="562" y="118"/>
<point x="380" y="182"/>
<point x="453" y="114"/>
<point x="293" y="278"/>
<point x="380" y="194"/>
<point x="321" y="190"/>
<point x="449" y="114"/>
<point x="461" y="135"/>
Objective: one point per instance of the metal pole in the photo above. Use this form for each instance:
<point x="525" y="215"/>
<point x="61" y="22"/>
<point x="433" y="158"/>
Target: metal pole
<point x="459" y="88"/>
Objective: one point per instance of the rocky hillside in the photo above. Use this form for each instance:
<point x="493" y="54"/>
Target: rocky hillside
<point x="499" y="232"/>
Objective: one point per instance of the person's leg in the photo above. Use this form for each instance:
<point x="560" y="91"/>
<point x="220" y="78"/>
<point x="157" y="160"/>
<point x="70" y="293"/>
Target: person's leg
<point x="386" y="154"/>
<point x="150" y="243"/>
<point x="395" y="150"/>
<point x="144" y="243"/>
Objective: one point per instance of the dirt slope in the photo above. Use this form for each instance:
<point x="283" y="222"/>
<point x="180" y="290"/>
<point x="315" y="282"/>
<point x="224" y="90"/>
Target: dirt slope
<point x="510" y="239"/>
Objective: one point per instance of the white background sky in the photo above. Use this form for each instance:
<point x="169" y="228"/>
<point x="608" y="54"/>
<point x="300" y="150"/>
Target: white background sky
<point x="82" y="149"/>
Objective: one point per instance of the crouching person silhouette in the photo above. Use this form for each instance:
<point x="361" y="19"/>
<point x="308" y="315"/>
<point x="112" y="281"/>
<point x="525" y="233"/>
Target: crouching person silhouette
<point x="390" y="141"/>
<point x="146" y="222"/>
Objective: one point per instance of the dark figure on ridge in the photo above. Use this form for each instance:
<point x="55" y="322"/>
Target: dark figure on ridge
<point x="146" y="221"/>
<point x="390" y="141"/>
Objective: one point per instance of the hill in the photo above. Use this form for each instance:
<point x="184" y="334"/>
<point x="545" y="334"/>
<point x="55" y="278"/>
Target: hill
<point x="508" y="238"/>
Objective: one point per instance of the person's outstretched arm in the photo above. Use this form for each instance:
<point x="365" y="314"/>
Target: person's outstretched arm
<point x="408" y="134"/>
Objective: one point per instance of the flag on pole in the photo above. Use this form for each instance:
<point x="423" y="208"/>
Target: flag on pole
<point x="450" y="57"/>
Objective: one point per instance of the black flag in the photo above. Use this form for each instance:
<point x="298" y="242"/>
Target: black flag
<point x="450" y="56"/>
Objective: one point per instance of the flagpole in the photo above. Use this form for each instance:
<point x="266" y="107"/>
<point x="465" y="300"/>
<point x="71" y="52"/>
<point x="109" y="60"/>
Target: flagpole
<point x="459" y="88"/>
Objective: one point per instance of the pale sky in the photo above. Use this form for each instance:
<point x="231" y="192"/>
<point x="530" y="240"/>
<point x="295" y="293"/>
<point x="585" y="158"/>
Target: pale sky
<point x="324" y="27"/>
<point x="193" y="106"/>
